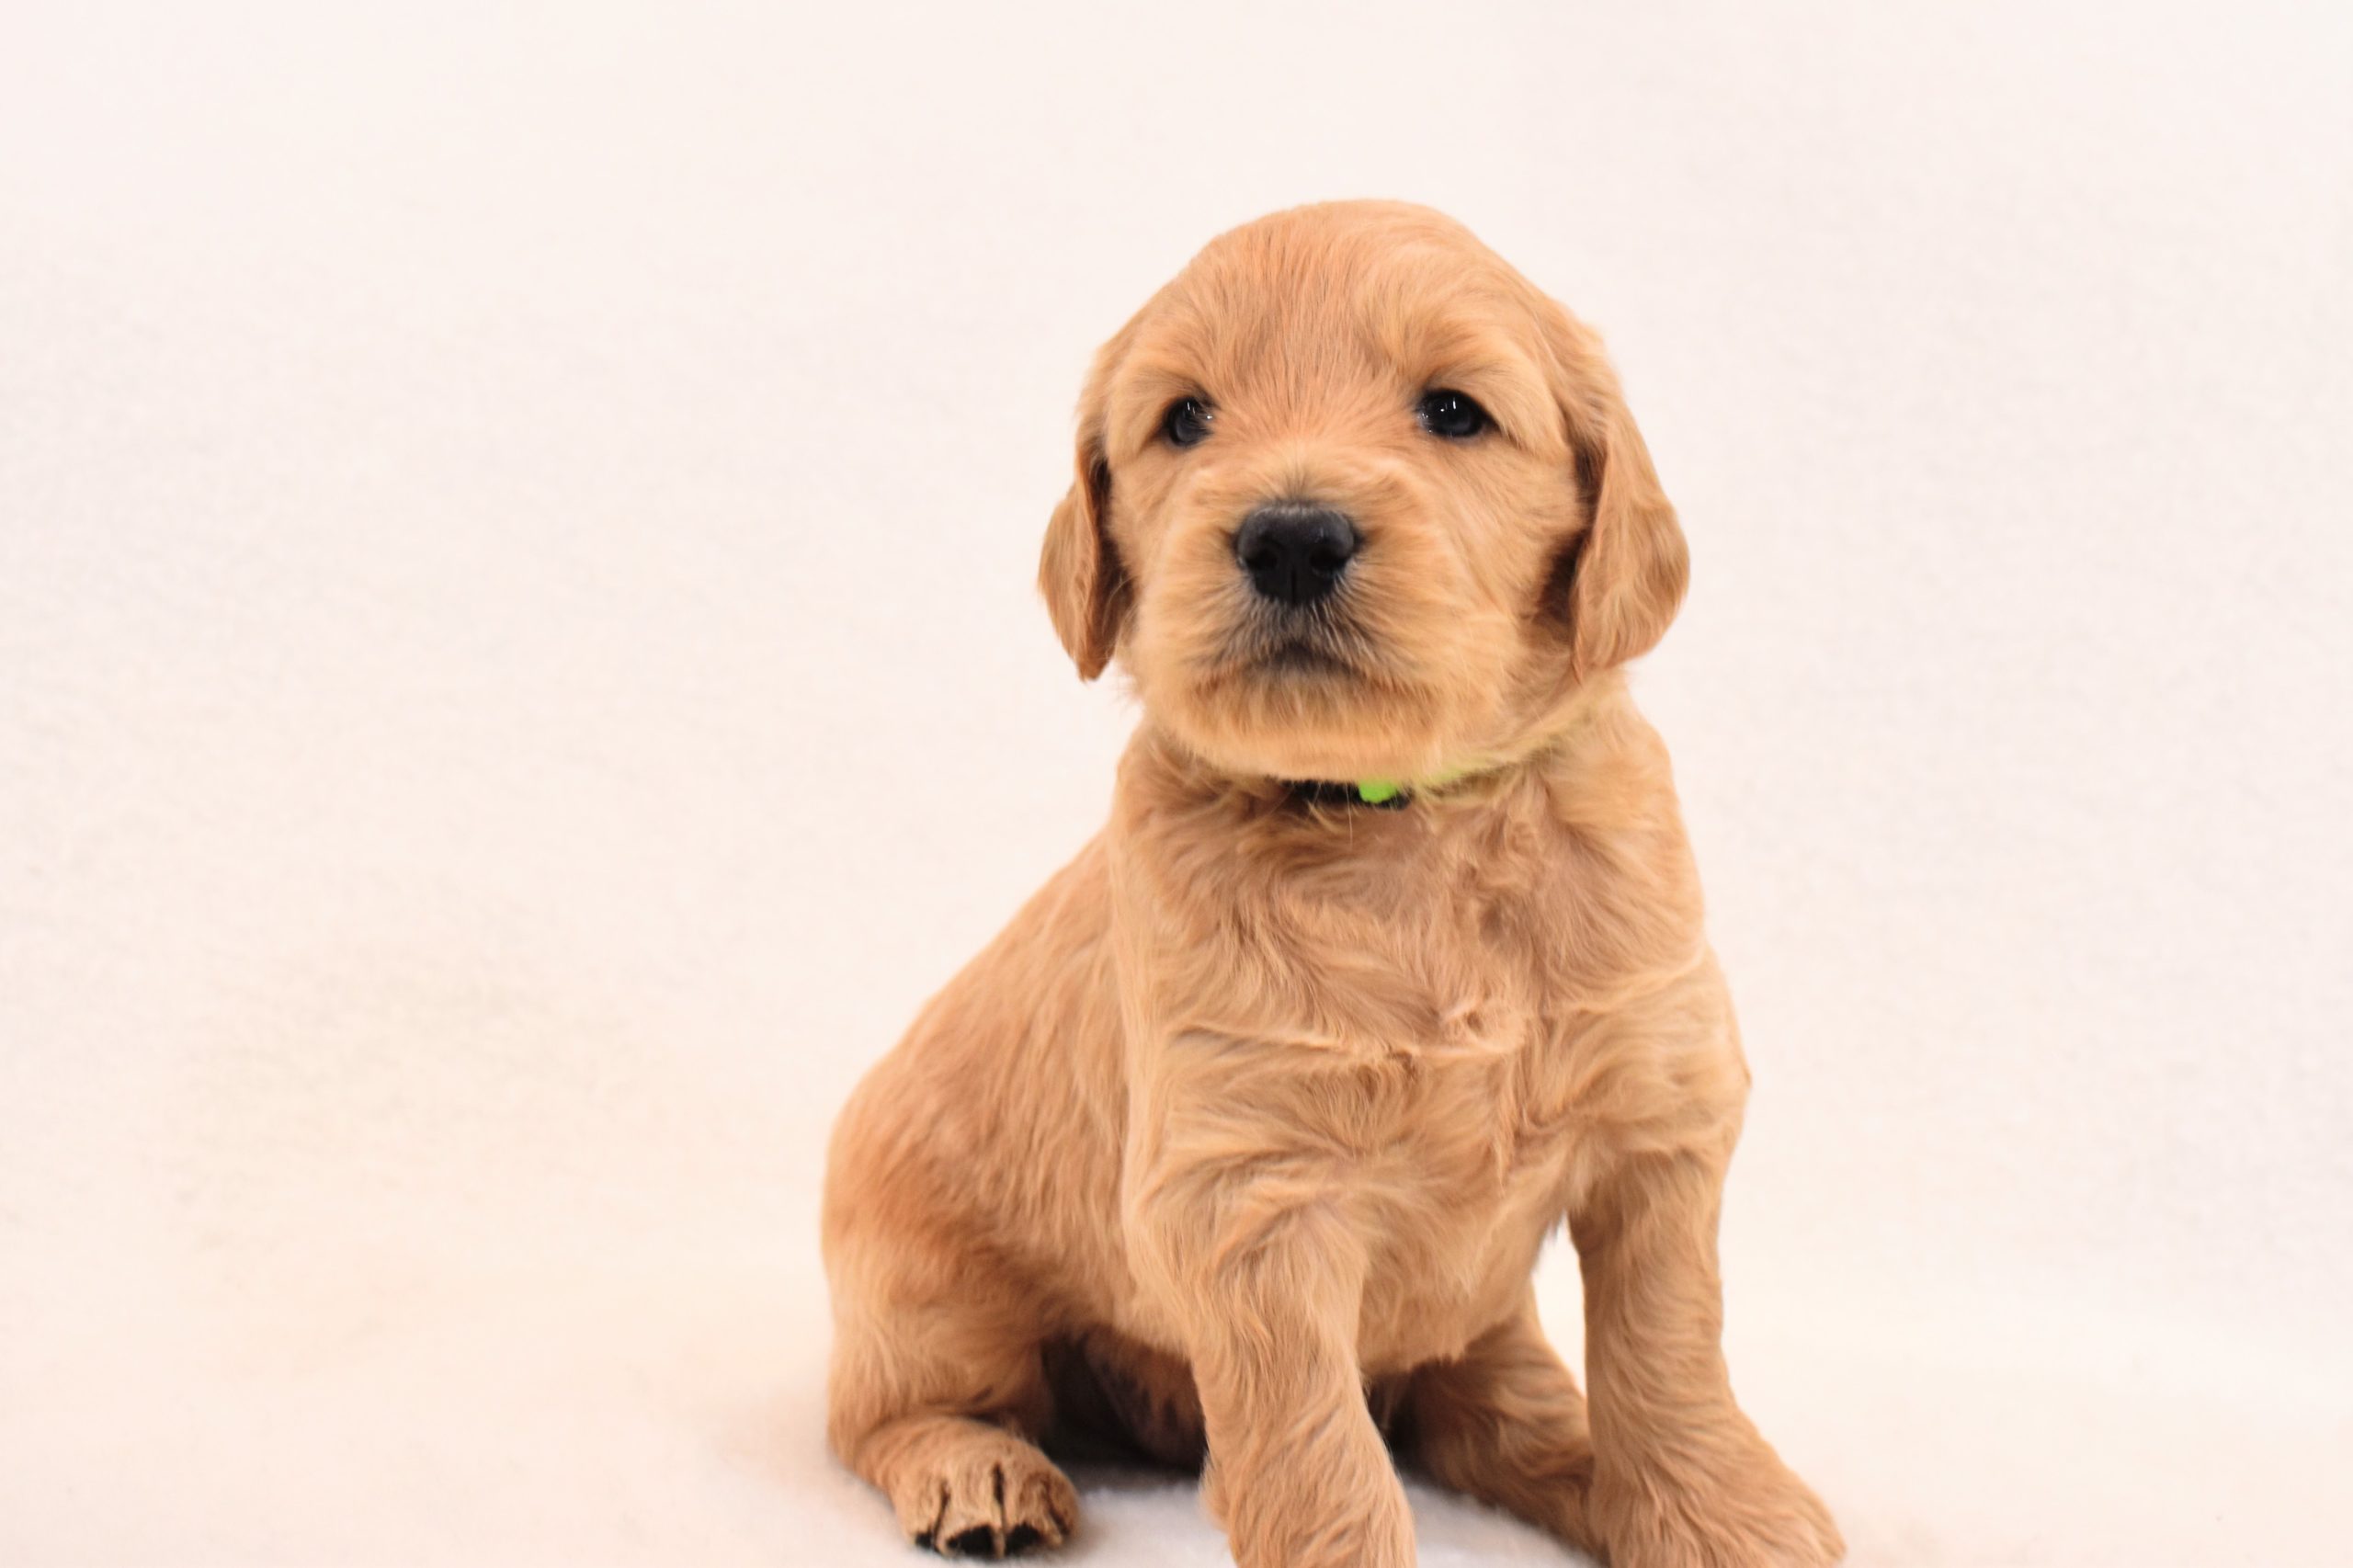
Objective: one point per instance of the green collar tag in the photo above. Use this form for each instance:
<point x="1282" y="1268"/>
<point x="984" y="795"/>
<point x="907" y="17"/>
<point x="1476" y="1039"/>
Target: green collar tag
<point x="1380" y="791"/>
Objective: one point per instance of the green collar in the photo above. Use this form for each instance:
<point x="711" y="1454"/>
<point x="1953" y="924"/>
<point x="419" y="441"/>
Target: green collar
<point x="1389" y="794"/>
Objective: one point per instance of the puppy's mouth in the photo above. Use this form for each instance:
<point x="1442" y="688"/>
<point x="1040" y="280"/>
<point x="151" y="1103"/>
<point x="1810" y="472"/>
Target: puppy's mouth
<point x="1303" y="657"/>
<point x="1316" y="652"/>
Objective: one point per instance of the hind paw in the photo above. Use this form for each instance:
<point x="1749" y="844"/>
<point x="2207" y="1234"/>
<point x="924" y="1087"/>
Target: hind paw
<point x="984" y="1493"/>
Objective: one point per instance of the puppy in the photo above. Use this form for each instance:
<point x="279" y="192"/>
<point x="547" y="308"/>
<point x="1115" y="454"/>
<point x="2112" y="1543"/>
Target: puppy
<point x="1240" y="1140"/>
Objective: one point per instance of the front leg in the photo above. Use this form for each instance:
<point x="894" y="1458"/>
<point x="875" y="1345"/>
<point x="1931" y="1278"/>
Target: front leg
<point x="1681" y="1479"/>
<point x="1267" y="1290"/>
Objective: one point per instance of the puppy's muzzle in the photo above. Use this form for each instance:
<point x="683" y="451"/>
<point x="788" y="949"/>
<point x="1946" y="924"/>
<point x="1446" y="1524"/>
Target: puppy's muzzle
<point x="1295" y="552"/>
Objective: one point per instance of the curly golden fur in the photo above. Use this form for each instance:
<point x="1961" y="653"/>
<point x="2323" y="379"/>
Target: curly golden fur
<point x="1239" y="1142"/>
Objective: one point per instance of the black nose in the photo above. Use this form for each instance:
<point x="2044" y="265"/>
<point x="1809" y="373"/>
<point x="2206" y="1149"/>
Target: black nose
<point x="1295" y="551"/>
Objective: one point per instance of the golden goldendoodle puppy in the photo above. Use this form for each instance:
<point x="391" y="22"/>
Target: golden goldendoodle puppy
<point x="1239" y="1143"/>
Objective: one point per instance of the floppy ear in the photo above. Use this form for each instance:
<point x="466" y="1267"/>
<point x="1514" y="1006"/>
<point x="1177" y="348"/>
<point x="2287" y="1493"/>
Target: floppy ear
<point x="1079" y="570"/>
<point x="1628" y="569"/>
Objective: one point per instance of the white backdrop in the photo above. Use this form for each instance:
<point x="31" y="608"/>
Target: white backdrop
<point x="518" y="673"/>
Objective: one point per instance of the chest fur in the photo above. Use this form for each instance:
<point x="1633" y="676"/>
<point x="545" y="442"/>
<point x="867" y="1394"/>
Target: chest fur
<point x="1461" y="1182"/>
<point x="1396" y="1033"/>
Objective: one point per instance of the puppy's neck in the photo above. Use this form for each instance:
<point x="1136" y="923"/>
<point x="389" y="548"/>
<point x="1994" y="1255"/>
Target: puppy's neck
<point x="1181" y="776"/>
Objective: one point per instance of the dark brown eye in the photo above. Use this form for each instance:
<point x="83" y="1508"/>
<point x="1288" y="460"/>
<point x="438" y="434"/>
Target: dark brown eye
<point x="1447" y="413"/>
<point x="1186" y="423"/>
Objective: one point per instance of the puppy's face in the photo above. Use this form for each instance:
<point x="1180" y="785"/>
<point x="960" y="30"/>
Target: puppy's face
<point x="1355" y="500"/>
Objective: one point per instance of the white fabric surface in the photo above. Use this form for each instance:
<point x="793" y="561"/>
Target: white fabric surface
<point x="518" y="673"/>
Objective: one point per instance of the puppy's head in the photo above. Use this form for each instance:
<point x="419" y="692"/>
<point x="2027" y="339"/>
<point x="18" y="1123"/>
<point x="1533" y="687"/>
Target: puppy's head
<point x="1354" y="499"/>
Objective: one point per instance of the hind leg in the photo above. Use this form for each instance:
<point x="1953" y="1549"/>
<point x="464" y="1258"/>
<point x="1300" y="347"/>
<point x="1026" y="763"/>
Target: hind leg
<point x="936" y="1395"/>
<point x="965" y="1488"/>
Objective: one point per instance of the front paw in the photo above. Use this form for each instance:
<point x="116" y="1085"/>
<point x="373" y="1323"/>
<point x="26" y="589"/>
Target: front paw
<point x="1312" y="1513"/>
<point x="1738" y="1509"/>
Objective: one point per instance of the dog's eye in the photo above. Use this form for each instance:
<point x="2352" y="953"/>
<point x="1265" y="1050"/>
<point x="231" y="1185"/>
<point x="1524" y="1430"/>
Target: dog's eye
<point x="1186" y="423"/>
<point x="1450" y="414"/>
